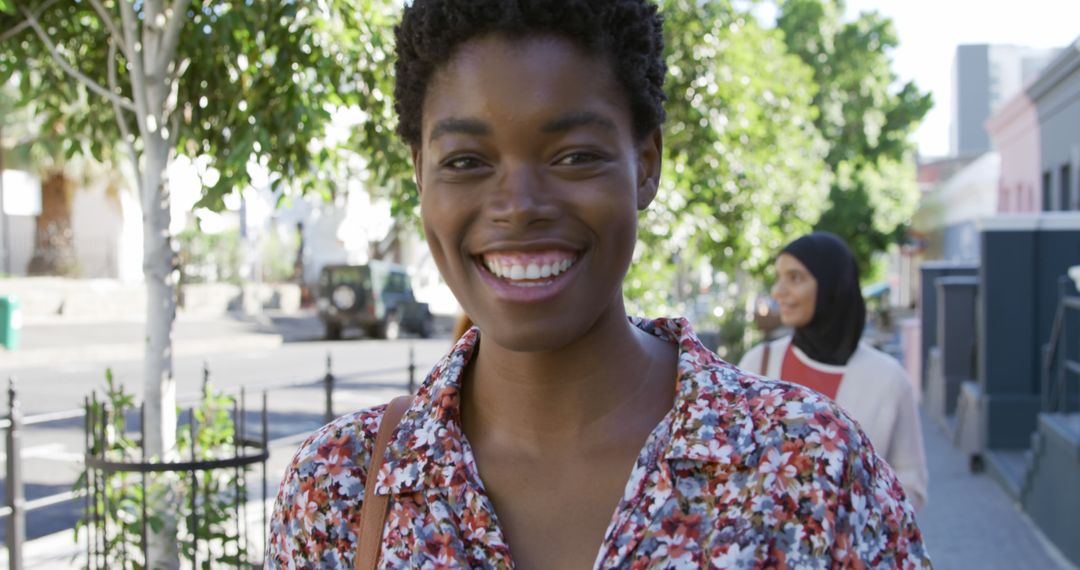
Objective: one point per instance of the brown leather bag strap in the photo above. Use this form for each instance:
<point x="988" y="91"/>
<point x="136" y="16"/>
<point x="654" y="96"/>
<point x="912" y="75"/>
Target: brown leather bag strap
<point x="373" y="511"/>
<point x="765" y="359"/>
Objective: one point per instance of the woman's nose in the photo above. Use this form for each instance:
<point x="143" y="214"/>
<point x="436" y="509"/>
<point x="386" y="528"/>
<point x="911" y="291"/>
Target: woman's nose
<point x="522" y="198"/>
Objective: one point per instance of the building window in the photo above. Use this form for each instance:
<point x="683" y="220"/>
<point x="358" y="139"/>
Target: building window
<point x="1047" y="192"/>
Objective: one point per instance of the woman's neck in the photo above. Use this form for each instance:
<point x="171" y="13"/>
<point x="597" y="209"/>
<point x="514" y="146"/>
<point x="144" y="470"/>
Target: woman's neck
<point x="581" y="393"/>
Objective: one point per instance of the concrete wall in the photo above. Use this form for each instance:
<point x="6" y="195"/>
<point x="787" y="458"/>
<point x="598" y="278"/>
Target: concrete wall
<point x="928" y="304"/>
<point x="21" y="240"/>
<point x="47" y="299"/>
<point x="22" y="198"/>
<point x="1057" y="97"/>
<point x="956" y="337"/>
<point x="1014" y="130"/>
<point x="107" y="225"/>
<point x="1023" y="256"/>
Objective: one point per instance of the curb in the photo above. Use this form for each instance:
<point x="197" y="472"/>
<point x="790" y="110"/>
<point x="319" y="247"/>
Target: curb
<point x="110" y="353"/>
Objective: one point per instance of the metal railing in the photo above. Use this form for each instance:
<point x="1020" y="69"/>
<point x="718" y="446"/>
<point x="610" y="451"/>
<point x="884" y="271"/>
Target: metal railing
<point x="15" y="504"/>
<point x="16" y="507"/>
<point x="1058" y="363"/>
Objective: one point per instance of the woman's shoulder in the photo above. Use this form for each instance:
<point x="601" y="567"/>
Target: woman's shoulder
<point x="322" y="492"/>
<point x="339" y="449"/>
<point x="751" y="361"/>
<point x="873" y="363"/>
<point x="777" y="411"/>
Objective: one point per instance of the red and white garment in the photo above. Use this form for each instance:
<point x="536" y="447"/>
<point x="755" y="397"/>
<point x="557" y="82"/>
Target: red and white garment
<point x="874" y="389"/>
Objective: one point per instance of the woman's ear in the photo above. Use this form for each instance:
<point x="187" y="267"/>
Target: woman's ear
<point x="650" y="153"/>
<point x="418" y="162"/>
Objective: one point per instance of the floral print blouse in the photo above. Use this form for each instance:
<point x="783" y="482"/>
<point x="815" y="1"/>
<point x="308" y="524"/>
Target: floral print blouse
<point x="743" y="472"/>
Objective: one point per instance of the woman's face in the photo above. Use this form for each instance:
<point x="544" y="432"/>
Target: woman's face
<point x="795" y="290"/>
<point x="530" y="181"/>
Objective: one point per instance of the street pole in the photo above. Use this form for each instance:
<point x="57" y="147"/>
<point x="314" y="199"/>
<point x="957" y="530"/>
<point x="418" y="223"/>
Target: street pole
<point x="3" y="212"/>
<point x="16" y="501"/>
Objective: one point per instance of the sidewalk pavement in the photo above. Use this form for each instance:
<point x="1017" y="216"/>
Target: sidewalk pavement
<point x="970" y="522"/>
<point x="46" y="342"/>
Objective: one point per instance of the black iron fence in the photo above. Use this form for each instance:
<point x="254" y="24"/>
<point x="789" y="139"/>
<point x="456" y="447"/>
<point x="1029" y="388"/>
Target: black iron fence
<point x="251" y="449"/>
<point x="118" y="541"/>
<point x="15" y="504"/>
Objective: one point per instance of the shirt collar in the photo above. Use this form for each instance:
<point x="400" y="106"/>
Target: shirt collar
<point x="427" y="450"/>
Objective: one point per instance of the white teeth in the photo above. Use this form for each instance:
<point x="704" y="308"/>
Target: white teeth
<point x="515" y="272"/>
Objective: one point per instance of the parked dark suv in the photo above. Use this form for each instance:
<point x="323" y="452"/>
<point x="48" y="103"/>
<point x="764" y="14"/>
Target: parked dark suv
<point x="376" y="297"/>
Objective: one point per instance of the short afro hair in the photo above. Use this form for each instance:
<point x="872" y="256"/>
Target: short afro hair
<point x="629" y="32"/>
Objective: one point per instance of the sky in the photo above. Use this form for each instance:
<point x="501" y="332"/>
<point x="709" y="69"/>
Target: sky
<point x="930" y="31"/>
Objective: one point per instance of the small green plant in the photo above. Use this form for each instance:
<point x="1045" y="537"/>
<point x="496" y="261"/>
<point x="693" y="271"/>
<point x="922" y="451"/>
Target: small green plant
<point x="210" y="258"/>
<point x="205" y="503"/>
<point x="278" y="256"/>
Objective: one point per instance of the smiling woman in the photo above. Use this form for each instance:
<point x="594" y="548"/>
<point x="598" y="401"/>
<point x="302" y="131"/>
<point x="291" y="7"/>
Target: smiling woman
<point x="542" y="169"/>
<point x="817" y="288"/>
<point x="568" y="435"/>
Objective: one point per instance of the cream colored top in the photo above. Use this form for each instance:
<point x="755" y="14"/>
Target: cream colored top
<point x="876" y="391"/>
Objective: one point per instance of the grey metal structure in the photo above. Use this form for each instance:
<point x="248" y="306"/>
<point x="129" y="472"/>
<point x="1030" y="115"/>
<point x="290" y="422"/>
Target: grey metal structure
<point x="956" y="339"/>
<point x="1022" y="259"/>
<point x="930" y="272"/>
<point x="1049" y="491"/>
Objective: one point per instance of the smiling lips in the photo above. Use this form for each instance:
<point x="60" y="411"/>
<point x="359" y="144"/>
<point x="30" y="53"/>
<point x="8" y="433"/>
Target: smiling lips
<point x="528" y="269"/>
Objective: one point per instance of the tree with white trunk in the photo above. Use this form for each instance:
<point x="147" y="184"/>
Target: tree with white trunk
<point x="239" y="81"/>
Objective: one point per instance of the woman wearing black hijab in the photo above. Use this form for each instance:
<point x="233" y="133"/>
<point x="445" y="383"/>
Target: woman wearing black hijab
<point x="817" y="288"/>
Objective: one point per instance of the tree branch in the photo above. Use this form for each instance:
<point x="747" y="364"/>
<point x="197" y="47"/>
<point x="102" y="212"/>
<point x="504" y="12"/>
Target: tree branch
<point x="25" y="23"/>
<point x="121" y="121"/>
<point x="111" y="25"/>
<point x="63" y="63"/>
<point x="177" y="15"/>
<point x="137" y="71"/>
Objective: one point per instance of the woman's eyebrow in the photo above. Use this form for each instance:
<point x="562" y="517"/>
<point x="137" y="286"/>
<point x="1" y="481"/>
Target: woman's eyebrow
<point x="460" y="126"/>
<point x="574" y="120"/>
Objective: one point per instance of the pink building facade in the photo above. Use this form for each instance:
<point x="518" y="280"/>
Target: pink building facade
<point x="1014" y="130"/>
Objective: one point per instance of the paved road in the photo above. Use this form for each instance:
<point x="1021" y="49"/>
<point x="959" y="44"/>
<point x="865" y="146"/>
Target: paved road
<point x="367" y="372"/>
<point x="63" y="382"/>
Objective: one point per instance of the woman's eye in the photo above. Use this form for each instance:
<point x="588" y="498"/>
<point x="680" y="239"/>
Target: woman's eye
<point x="462" y="163"/>
<point x="576" y="158"/>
